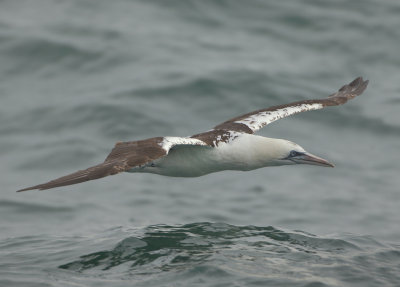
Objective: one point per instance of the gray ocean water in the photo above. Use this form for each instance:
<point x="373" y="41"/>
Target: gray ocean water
<point x="78" y="76"/>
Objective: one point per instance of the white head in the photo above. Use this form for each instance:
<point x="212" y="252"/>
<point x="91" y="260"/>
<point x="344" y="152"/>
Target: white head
<point x="284" y="152"/>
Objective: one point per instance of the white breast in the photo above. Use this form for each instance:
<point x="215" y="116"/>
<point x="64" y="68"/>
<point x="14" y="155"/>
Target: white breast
<point x="186" y="161"/>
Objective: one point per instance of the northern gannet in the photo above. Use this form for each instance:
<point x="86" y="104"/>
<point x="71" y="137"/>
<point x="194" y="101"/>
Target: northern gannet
<point x="228" y="146"/>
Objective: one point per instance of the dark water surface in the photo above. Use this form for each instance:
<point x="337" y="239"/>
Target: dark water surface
<point x="77" y="76"/>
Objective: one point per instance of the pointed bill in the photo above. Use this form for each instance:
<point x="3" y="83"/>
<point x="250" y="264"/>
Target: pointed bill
<point x="313" y="160"/>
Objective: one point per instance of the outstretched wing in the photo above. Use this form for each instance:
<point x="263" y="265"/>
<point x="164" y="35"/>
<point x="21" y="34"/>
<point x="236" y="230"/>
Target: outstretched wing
<point x="124" y="156"/>
<point x="252" y="122"/>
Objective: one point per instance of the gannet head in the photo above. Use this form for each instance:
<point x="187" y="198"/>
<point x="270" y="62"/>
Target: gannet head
<point x="287" y="153"/>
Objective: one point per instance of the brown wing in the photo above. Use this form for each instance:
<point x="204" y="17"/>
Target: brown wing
<point x="251" y="122"/>
<point x="94" y="172"/>
<point x="124" y="156"/>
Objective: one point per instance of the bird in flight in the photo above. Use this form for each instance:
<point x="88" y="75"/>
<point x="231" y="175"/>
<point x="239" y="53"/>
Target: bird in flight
<point x="230" y="145"/>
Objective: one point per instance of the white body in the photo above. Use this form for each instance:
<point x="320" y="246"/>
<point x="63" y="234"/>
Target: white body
<point x="246" y="152"/>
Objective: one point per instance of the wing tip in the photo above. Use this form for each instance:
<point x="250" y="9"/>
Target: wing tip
<point x="30" y="188"/>
<point x="355" y="84"/>
<point x="349" y="91"/>
<point x="359" y="85"/>
<point x="91" y="173"/>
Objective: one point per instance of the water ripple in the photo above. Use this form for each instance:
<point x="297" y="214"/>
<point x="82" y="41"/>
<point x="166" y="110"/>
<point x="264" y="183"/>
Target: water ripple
<point x="246" y="252"/>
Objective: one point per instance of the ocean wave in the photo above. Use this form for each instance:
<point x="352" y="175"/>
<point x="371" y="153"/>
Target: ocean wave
<point x="246" y="252"/>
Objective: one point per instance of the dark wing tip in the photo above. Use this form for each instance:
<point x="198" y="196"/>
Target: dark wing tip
<point x="40" y="187"/>
<point x="349" y="91"/>
<point x="358" y="85"/>
<point x="24" y="189"/>
<point x="91" y="173"/>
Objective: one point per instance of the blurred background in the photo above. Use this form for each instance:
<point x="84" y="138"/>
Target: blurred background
<point x="78" y="76"/>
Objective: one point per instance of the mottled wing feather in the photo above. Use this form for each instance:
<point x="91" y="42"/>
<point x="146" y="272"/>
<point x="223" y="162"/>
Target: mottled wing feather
<point x="252" y="122"/>
<point x="214" y="137"/>
<point x="124" y="156"/>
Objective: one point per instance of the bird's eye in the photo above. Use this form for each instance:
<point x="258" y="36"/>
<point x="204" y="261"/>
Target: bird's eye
<point x="294" y="153"/>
